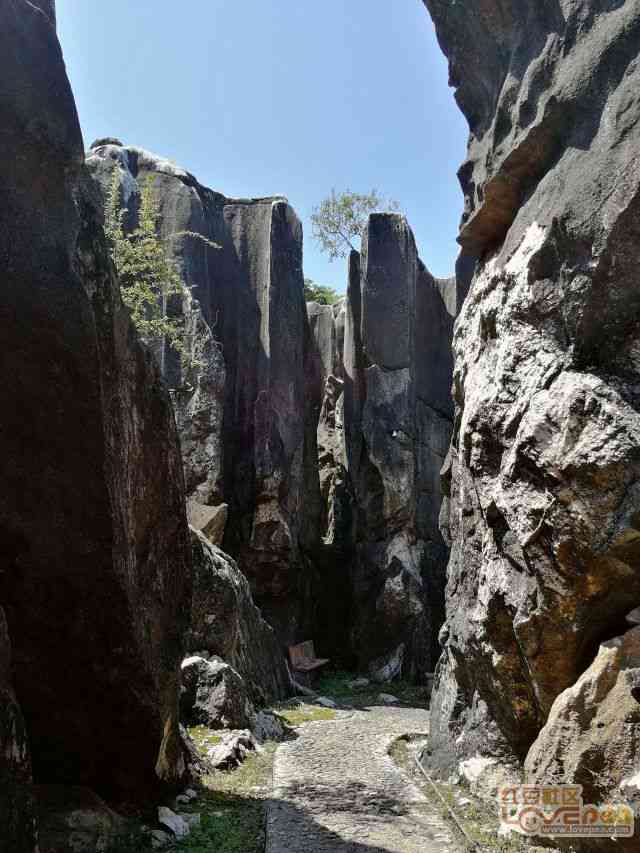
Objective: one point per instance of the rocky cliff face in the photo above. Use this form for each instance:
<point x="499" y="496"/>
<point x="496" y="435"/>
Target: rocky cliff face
<point x="93" y="536"/>
<point x="544" y="469"/>
<point x="385" y="425"/>
<point x="48" y="7"/>
<point x="334" y="552"/>
<point x="247" y="432"/>
<point x="226" y="623"/>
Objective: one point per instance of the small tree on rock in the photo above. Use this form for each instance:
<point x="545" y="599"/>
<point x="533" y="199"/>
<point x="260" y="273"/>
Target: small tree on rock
<point x="340" y="220"/>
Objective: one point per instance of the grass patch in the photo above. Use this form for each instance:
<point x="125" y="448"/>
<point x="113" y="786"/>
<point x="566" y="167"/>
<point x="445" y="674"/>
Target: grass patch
<point x="203" y="738"/>
<point x="336" y="685"/>
<point x="231" y="805"/>
<point x="295" y="713"/>
<point x="232" y="808"/>
<point x="479" y="820"/>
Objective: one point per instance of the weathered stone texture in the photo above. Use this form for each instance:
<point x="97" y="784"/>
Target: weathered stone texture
<point x="544" y="469"/>
<point x="93" y="535"/>
<point x="397" y="425"/>
<point x="213" y="695"/>
<point x="225" y="622"/>
<point x="592" y="735"/>
<point x="48" y="7"/>
<point x="247" y="433"/>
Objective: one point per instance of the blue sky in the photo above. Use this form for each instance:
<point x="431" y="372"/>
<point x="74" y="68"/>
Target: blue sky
<point x="291" y="97"/>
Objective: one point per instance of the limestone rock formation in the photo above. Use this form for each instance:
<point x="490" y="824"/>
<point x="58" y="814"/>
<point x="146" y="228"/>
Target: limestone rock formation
<point x="48" y="7"/>
<point x="397" y="425"/>
<point x="247" y="433"/>
<point x="592" y="735"/>
<point x="333" y="555"/>
<point x="213" y="695"/>
<point x="544" y="471"/>
<point x="225" y="622"/>
<point x="93" y="535"/>
<point x="326" y="375"/>
<point x="75" y="820"/>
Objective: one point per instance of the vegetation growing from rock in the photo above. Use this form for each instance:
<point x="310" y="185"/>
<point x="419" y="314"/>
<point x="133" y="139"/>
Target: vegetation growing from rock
<point x="150" y="282"/>
<point x="341" y="218"/>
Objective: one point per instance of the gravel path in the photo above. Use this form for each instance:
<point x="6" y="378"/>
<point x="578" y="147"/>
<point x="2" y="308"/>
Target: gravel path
<point x="336" y="789"/>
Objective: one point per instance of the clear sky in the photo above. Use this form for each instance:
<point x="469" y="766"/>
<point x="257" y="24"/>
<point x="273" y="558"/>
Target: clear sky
<point x="280" y="97"/>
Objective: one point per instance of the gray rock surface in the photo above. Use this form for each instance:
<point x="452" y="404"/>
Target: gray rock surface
<point x="94" y="581"/>
<point x="48" y="7"/>
<point x="175" y="823"/>
<point x="248" y="437"/>
<point x="543" y="475"/>
<point x="397" y="425"/>
<point x="592" y="734"/>
<point x="213" y="695"/>
<point x="225" y="622"/>
<point x="333" y="554"/>
<point x="75" y="820"/>
<point x="232" y="750"/>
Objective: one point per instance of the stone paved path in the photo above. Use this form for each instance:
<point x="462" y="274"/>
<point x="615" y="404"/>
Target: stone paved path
<point x="336" y="789"/>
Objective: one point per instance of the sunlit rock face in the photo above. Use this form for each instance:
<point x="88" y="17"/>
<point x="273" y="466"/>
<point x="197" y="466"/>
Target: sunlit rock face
<point x="544" y="468"/>
<point x="93" y="536"/>
<point x="397" y="425"/>
<point x="594" y="726"/>
<point x="247" y="432"/>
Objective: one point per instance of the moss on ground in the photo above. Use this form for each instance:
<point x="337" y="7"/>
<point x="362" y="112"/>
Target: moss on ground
<point x="295" y="713"/>
<point x="204" y="738"/>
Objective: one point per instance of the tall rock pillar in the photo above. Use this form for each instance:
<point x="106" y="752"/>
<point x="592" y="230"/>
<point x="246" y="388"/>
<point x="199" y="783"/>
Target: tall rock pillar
<point x="397" y="427"/>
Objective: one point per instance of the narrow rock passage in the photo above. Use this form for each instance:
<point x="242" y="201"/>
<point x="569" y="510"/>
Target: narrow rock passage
<point x="337" y="789"/>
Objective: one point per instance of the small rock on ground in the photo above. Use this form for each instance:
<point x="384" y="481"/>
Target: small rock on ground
<point x="325" y="702"/>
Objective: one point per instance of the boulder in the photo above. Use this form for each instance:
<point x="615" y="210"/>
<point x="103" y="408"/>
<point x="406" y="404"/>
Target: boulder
<point x="175" y="823"/>
<point x="232" y="750"/>
<point x="224" y="621"/>
<point x="387" y="668"/>
<point x="92" y="519"/>
<point x="266" y="726"/>
<point x="74" y="820"/>
<point x="325" y="702"/>
<point x="543" y="475"/>
<point x="592" y="734"/>
<point x="213" y="695"/>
